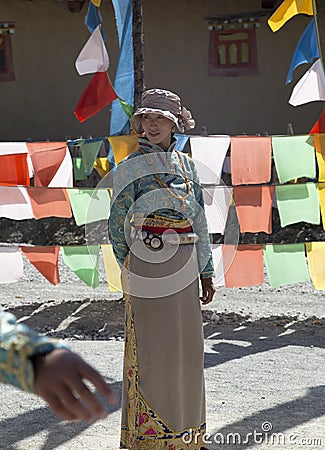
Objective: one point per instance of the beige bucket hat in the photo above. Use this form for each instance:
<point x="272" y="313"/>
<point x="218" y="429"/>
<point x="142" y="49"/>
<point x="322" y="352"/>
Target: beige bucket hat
<point x="166" y="103"/>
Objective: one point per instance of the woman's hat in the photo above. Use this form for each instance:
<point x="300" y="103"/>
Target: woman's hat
<point x="165" y="103"/>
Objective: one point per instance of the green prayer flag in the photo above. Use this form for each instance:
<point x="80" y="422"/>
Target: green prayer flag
<point x="89" y="205"/>
<point x="294" y="157"/>
<point x="89" y="152"/>
<point x="78" y="169"/>
<point x="127" y="108"/>
<point x="286" y="264"/>
<point x="298" y="203"/>
<point x="84" y="262"/>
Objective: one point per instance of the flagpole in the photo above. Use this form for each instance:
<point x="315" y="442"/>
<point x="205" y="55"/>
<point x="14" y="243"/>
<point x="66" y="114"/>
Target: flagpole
<point x="138" y="51"/>
<point x="317" y="32"/>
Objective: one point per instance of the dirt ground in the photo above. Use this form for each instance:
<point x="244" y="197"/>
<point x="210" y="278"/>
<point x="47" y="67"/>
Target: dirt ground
<point x="264" y="365"/>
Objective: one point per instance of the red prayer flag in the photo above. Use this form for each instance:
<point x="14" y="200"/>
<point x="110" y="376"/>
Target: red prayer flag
<point x="98" y="94"/>
<point x="319" y="126"/>
<point x="45" y="260"/>
<point x="14" y="170"/>
<point x="50" y="202"/>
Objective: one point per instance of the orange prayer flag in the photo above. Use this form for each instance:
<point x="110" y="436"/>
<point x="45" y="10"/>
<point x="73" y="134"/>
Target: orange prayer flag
<point x="250" y="158"/>
<point x="244" y="265"/>
<point x="49" y="202"/>
<point x="45" y="260"/>
<point x="46" y="158"/>
<point x="14" y="170"/>
<point x="254" y="208"/>
<point x="319" y="126"/>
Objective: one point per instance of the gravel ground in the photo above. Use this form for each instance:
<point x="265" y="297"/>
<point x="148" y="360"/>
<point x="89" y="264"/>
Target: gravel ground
<point x="264" y="364"/>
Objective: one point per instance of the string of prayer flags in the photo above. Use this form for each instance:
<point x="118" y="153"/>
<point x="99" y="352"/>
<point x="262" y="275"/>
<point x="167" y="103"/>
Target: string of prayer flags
<point x="45" y="260"/>
<point x="254" y="208"/>
<point x="79" y="169"/>
<point x="84" y="262"/>
<point x="209" y="155"/>
<point x="316" y="266"/>
<point x="285" y="264"/>
<point x="294" y="157"/>
<point x="112" y="269"/>
<point x="89" y="153"/>
<point x="93" y="57"/>
<point x="319" y="126"/>
<point x="319" y="142"/>
<point x="298" y="203"/>
<point x="15" y="203"/>
<point x="14" y="170"/>
<point x="123" y="146"/>
<point x="64" y="175"/>
<point x="49" y="202"/>
<point x="287" y="10"/>
<point x="102" y="166"/>
<point x="311" y="87"/>
<point x="243" y="265"/>
<point x="217" y="200"/>
<point x="12" y="265"/>
<point x="89" y="205"/>
<point x="219" y="272"/>
<point x="321" y="195"/>
<point x="46" y="158"/>
<point x="306" y="50"/>
<point x="250" y="159"/>
<point x="98" y="94"/>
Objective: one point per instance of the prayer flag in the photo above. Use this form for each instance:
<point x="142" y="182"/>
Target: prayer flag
<point x="128" y="109"/>
<point x="14" y="170"/>
<point x="311" y="87"/>
<point x="321" y="195"/>
<point x="96" y="2"/>
<point x="112" y="269"/>
<point x="45" y="260"/>
<point x="93" y="57"/>
<point x="64" y="175"/>
<point x="93" y="18"/>
<point x="89" y="205"/>
<point x="306" y="50"/>
<point x="49" y="202"/>
<point x="15" y="203"/>
<point x="287" y="10"/>
<point x="98" y="94"/>
<point x="254" y="208"/>
<point x="294" y="157"/>
<point x="181" y="141"/>
<point x="209" y="155"/>
<point x="11" y="263"/>
<point x="316" y="266"/>
<point x="243" y="265"/>
<point x="89" y="152"/>
<point x="84" y="262"/>
<point x="46" y="158"/>
<point x="285" y="264"/>
<point x="319" y="141"/>
<point x="298" y="203"/>
<point x="219" y="273"/>
<point x="319" y="126"/>
<point x="250" y="158"/>
<point x="79" y="169"/>
<point x="102" y="166"/>
<point x="10" y="148"/>
<point x="123" y="146"/>
<point x="217" y="200"/>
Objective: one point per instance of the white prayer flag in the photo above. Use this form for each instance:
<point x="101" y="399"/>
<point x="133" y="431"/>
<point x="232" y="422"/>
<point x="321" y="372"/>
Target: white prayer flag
<point x="219" y="272"/>
<point x="93" y="57"/>
<point x="64" y="175"/>
<point x="11" y="263"/>
<point x="216" y="204"/>
<point x="209" y="155"/>
<point x="15" y="203"/>
<point x="311" y="87"/>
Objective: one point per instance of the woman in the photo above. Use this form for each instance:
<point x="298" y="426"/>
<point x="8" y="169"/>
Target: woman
<point x="160" y="238"/>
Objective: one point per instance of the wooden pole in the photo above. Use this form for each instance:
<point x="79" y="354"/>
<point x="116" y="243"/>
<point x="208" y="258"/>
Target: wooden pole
<point x="317" y="32"/>
<point x="138" y="51"/>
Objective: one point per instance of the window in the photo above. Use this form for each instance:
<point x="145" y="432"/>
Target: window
<point x="6" y="60"/>
<point x="232" y="52"/>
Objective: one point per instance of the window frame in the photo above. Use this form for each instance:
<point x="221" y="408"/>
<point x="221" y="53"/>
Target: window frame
<point x="8" y="74"/>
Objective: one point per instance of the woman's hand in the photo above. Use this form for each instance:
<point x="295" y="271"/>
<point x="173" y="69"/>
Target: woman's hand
<point x="208" y="290"/>
<point x="59" y="380"/>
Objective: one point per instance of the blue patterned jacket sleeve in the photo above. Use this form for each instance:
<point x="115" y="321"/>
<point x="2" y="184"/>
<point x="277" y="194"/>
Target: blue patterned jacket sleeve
<point x="18" y="343"/>
<point x="200" y="227"/>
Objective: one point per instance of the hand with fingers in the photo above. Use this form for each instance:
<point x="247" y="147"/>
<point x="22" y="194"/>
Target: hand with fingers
<point x="208" y="290"/>
<point x="59" y="380"/>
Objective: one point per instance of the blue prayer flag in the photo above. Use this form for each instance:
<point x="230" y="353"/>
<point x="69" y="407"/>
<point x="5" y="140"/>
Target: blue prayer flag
<point x="93" y="19"/>
<point x="306" y="50"/>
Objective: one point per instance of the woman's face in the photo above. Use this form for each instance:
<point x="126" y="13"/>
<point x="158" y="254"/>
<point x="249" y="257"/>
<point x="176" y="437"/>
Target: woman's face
<point x="158" y="129"/>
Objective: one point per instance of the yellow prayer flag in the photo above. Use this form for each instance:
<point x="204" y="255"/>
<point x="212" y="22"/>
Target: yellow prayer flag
<point x="102" y="166"/>
<point x="321" y="194"/>
<point x="319" y="140"/>
<point x="287" y="10"/>
<point x="123" y="146"/>
<point x="316" y="256"/>
<point x="112" y="269"/>
<point x="96" y="2"/>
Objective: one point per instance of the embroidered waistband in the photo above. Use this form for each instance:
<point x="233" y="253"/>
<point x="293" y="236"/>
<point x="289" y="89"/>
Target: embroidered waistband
<point x="158" y="241"/>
